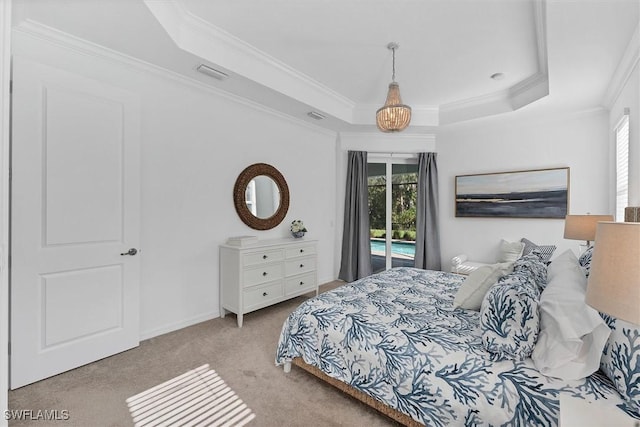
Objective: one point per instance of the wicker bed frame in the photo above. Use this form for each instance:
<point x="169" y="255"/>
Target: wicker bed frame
<point x="353" y="392"/>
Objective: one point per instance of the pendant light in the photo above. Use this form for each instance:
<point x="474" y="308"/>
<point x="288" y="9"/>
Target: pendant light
<point x="394" y="116"/>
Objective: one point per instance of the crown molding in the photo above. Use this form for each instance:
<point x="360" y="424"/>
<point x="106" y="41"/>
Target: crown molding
<point x="379" y="143"/>
<point x="215" y="45"/>
<point x="529" y="90"/>
<point x="624" y="70"/>
<point x="531" y="120"/>
<point x="203" y="39"/>
<point x="423" y="137"/>
<point x="516" y="96"/>
<point x="38" y="31"/>
<point x="540" y="17"/>
<point x="535" y="86"/>
<point x="473" y="108"/>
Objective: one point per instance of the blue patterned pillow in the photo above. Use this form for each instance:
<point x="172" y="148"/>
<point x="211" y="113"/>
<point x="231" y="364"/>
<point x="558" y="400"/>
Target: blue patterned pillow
<point x="585" y="260"/>
<point x="509" y="317"/>
<point x="545" y="252"/>
<point x="533" y="266"/>
<point x="621" y="362"/>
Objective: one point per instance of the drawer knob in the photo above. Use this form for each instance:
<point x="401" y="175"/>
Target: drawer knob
<point x="301" y="283"/>
<point x="301" y="250"/>
<point x="264" y="257"/>
<point x="264" y="294"/>
<point x="301" y="265"/>
<point x="264" y="273"/>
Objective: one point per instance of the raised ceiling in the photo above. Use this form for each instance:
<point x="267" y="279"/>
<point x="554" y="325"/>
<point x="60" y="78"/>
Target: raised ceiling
<point x="330" y="56"/>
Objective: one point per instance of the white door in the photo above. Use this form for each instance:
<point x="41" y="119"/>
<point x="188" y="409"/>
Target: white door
<point x="75" y="214"/>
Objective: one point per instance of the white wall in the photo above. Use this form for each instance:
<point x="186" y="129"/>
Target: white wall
<point x="505" y="143"/>
<point x="194" y="147"/>
<point x="195" y="142"/>
<point x="578" y="141"/>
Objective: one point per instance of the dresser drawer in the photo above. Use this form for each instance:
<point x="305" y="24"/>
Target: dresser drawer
<point x="300" y="265"/>
<point x="262" y="257"/>
<point x="262" y="274"/>
<point x="261" y="296"/>
<point x="300" y="250"/>
<point x="300" y="283"/>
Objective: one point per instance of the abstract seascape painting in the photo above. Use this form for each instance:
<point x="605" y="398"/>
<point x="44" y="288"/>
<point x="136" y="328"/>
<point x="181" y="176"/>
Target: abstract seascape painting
<point x="542" y="193"/>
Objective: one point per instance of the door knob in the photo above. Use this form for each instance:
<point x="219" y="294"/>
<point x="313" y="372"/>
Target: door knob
<point x="131" y="252"/>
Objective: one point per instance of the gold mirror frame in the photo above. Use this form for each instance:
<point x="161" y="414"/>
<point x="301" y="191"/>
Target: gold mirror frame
<point x="239" y="201"/>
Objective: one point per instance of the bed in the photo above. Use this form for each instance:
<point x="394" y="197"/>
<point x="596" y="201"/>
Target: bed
<point x="394" y="341"/>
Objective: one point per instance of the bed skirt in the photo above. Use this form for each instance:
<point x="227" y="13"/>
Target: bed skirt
<point x="398" y="416"/>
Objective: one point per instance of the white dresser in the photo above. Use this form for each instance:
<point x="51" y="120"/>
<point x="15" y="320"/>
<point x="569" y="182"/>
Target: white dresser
<point x="265" y="273"/>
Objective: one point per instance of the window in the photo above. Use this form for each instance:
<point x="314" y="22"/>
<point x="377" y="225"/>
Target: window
<point x="622" y="165"/>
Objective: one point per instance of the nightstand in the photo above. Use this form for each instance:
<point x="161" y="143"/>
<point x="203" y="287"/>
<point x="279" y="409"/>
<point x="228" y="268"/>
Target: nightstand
<point x="575" y="412"/>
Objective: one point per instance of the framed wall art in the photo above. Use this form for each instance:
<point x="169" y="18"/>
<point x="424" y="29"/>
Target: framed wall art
<point x="541" y="193"/>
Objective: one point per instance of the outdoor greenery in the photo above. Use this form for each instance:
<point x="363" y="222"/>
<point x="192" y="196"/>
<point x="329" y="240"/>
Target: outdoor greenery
<point x="403" y="215"/>
<point x="409" y="235"/>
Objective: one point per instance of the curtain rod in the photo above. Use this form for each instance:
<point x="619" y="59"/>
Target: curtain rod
<point x="388" y="154"/>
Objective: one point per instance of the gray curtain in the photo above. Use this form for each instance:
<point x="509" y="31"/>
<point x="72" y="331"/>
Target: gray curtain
<point x="427" y="233"/>
<point x="356" y="247"/>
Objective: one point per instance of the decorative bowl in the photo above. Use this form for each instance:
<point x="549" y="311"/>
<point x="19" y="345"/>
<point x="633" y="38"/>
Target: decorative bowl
<point x="297" y="234"/>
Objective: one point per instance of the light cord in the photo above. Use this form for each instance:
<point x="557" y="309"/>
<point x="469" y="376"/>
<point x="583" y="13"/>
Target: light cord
<point x="393" y="73"/>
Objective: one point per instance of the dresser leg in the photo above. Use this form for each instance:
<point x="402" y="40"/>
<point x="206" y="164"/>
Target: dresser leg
<point x="223" y="312"/>
<point x="239" y="320"/>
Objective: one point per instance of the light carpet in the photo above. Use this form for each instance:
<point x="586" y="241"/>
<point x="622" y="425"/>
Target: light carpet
<point x="96" y="394"/>
<point x="197" y="397"/>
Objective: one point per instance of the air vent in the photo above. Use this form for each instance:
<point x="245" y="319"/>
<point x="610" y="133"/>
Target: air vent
<point x="315" y="115"/>
<point x="212" y="72"/>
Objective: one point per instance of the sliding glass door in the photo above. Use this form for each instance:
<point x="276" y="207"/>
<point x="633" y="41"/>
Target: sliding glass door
<point x="392" y="211"/>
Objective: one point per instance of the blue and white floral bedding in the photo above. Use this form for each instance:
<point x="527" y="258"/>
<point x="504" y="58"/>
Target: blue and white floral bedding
<point x="396" y="337"/>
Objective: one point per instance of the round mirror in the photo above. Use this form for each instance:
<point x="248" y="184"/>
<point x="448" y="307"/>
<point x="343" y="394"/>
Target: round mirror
<point x="261" y="196"/>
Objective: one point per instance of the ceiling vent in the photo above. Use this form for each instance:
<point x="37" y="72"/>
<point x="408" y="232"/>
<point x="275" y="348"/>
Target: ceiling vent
<point x="212" y="72"/>
<point x="315" y="115"/>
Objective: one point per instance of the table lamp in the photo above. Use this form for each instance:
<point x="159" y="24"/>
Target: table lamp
<point x="583" y="227"/>
<point x="614" y="276"/>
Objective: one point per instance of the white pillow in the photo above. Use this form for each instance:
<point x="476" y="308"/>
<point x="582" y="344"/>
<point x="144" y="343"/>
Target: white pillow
<point x="572" y="334"/>
<point x="477" y="284"/>
<point x="565" y="261"/>
<point x="510" y="251"/>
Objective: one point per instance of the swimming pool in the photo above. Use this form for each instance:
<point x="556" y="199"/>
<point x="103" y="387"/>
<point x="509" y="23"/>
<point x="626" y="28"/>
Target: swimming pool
<point x="397" y="247"/>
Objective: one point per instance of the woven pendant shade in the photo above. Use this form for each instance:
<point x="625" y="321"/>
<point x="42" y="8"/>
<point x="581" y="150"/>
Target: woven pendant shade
<point x="394" y="116"/>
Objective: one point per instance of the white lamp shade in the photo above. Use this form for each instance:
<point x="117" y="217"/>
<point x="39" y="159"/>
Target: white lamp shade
<point x="614" y="277"/>
<point x="583" y="227"/>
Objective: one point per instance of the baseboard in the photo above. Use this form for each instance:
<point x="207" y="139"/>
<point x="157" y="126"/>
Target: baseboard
<point x="145" y="335"/>
<point x="326" y="280"/>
